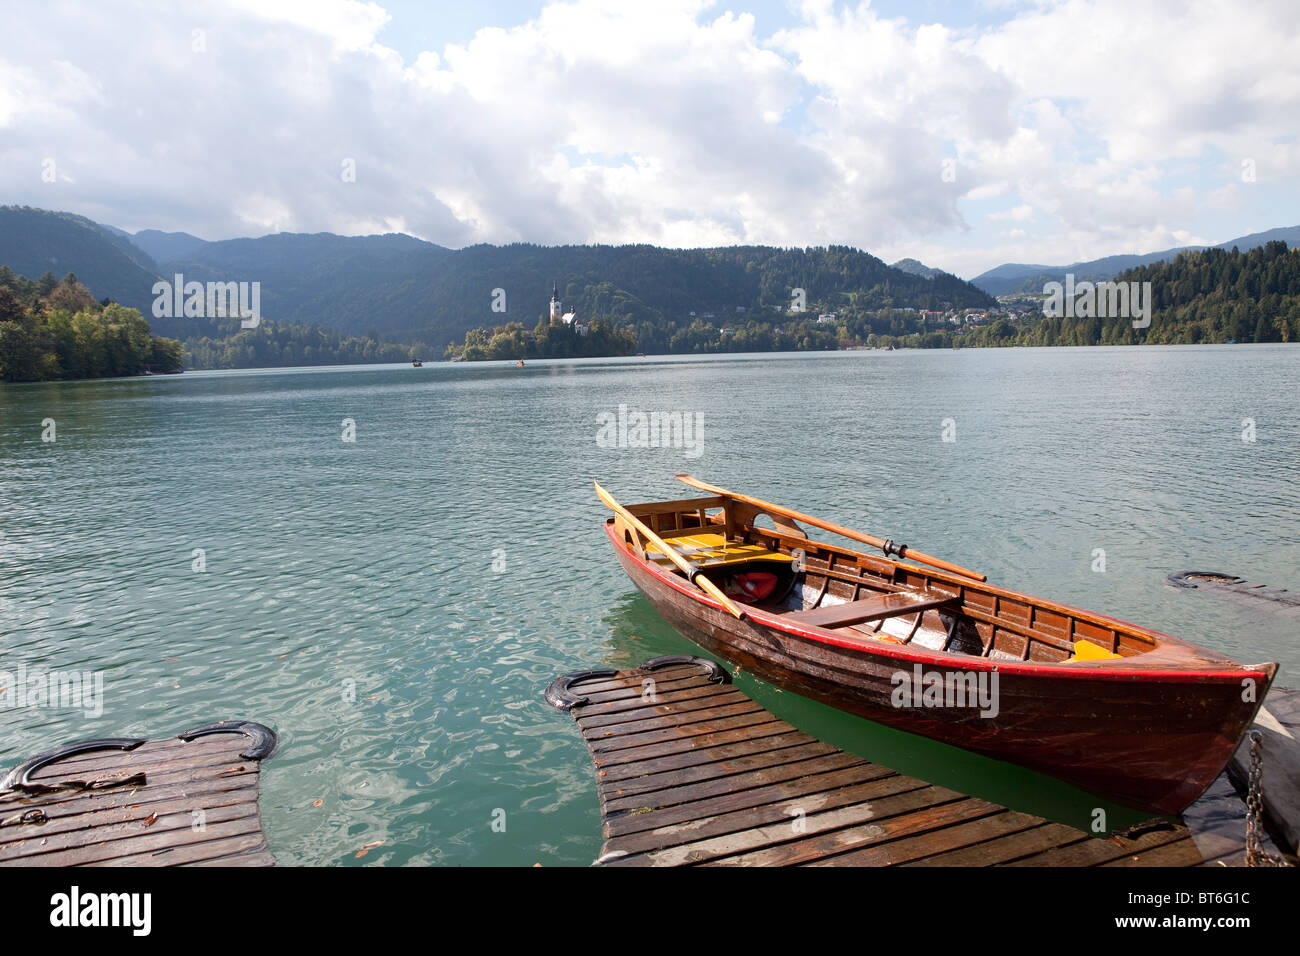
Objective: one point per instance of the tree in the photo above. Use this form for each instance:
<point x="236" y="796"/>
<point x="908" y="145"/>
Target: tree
<point x="20" y="341"/>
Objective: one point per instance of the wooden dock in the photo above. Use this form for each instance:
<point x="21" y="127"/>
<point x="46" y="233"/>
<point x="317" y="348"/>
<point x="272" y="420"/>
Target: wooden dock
<point x="187" y="801"/>
<point x="691" y="771"/>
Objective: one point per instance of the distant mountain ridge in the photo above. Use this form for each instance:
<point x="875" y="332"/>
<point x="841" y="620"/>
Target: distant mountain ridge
<point x="405" y="289"/>
<point x="1013" y="277"/>
<point x="917" y="268"/>
<point x="166" y="246"/>
<point x="35" y="241"/>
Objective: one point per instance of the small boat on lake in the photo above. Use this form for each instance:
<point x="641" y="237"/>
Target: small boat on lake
<point x="416" y="363"/>
<point x="924" y="645"/>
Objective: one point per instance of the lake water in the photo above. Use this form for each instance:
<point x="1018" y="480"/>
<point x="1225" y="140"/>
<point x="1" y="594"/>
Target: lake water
<point x="395" y="605"/>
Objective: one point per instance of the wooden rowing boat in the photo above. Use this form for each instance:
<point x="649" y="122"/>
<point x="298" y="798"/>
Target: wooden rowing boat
<point x="1138" y="716"/>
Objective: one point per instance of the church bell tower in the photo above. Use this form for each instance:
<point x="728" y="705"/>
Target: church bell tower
<point x="555" y="304"/>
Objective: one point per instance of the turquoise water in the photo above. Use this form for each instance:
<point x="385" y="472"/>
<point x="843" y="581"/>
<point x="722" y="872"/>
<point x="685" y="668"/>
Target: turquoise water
<point x="396" y="605"/>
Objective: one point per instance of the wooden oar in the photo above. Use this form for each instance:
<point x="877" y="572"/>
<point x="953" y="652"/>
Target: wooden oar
<point x="691" y="571"/>
<point x="887" y="546"/>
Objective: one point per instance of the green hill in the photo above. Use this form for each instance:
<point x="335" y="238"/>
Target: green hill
<point x="410" y="290"/>
<point x="1210" y="296"/>
<point x="35" y="241"/>
<point x="166" y="246"/>
<point x="1017" y="278"/>
<point x="398" y="289"/>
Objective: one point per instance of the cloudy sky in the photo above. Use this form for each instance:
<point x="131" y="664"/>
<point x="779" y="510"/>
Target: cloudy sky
<point x="964" y="135"/>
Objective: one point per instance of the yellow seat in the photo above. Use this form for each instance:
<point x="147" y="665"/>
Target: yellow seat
<point x="714" y="550"/>
<point x="1088" y="651"/>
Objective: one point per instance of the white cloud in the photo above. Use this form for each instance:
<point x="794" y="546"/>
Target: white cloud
<point x="1104" y="125"/>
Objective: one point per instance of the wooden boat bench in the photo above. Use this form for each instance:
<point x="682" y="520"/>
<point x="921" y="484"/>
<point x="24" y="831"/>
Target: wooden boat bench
<point x="872" y="609"/>
<point x="709" y="550"/>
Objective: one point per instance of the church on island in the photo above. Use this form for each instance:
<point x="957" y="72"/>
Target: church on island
<point x="559" y="316"/>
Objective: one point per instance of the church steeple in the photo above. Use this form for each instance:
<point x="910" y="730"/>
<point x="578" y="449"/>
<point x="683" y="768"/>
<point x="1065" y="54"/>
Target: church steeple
<point x="556" y="311"/>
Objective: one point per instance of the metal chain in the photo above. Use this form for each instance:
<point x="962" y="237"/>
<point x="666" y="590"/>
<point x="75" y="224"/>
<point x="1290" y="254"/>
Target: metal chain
<point x="1256" y="855"/>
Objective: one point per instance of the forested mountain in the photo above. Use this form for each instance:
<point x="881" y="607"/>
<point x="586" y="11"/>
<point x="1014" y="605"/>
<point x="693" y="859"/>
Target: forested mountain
<point x="397" y="289"/>
<point x="646" y="285"/>
<point x="1220" y="296"/>
<point x="34" y="241"/>
<point x="1211" y="296"/>
<point x="327" y="298"/>
<point x="355" y="285"/>
<point x="1201" y="297"/>
<point x="1013" y="277"/>
<point x="917" y="268"/>
<point x="407" y="290"/>
<point x="166" y="246"/>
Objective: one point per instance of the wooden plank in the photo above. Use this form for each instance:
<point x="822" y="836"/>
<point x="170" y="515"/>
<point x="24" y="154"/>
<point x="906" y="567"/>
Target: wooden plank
<point x="797" y="824"/>
<point x="918" y="812"/>
<point x="626" y="681"/>
<point x="702" y="775"/>
<point x="733" y="783"/>
<point x="236" y="851"/>
<point x="204" y="750"/>
<point x="161" y="787"/>
<point x="206" y="775"/>
<point x="746" y="799"/>
<point x="735" y="706"/>
<point x="641" y="696"/>
<point x="123" y="828"/>
<point x="705" y="755"/>
<point x="802" y="836"/>
<point x="1094" y="852"/>
<point x="195" y="804"/>
<point x="871" y="609"/>
<point x="774" y="813"/>
<point x="168" y="761"/>
<point x="648" y="782"/>
<point x="150" y="843"/>
<point x="1181" y="852"/>
<point x="192" y="852"/>
<point x="604" y="743"/>
<point x="681" y="505"/>
<point x="76" y="818"/>
<point x="681" y="743"/>
<point x="991" y="840"/>
<point x="651" y="709"/>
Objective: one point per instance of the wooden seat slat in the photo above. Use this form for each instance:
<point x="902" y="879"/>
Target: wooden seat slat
<point x="871" y="609"/>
